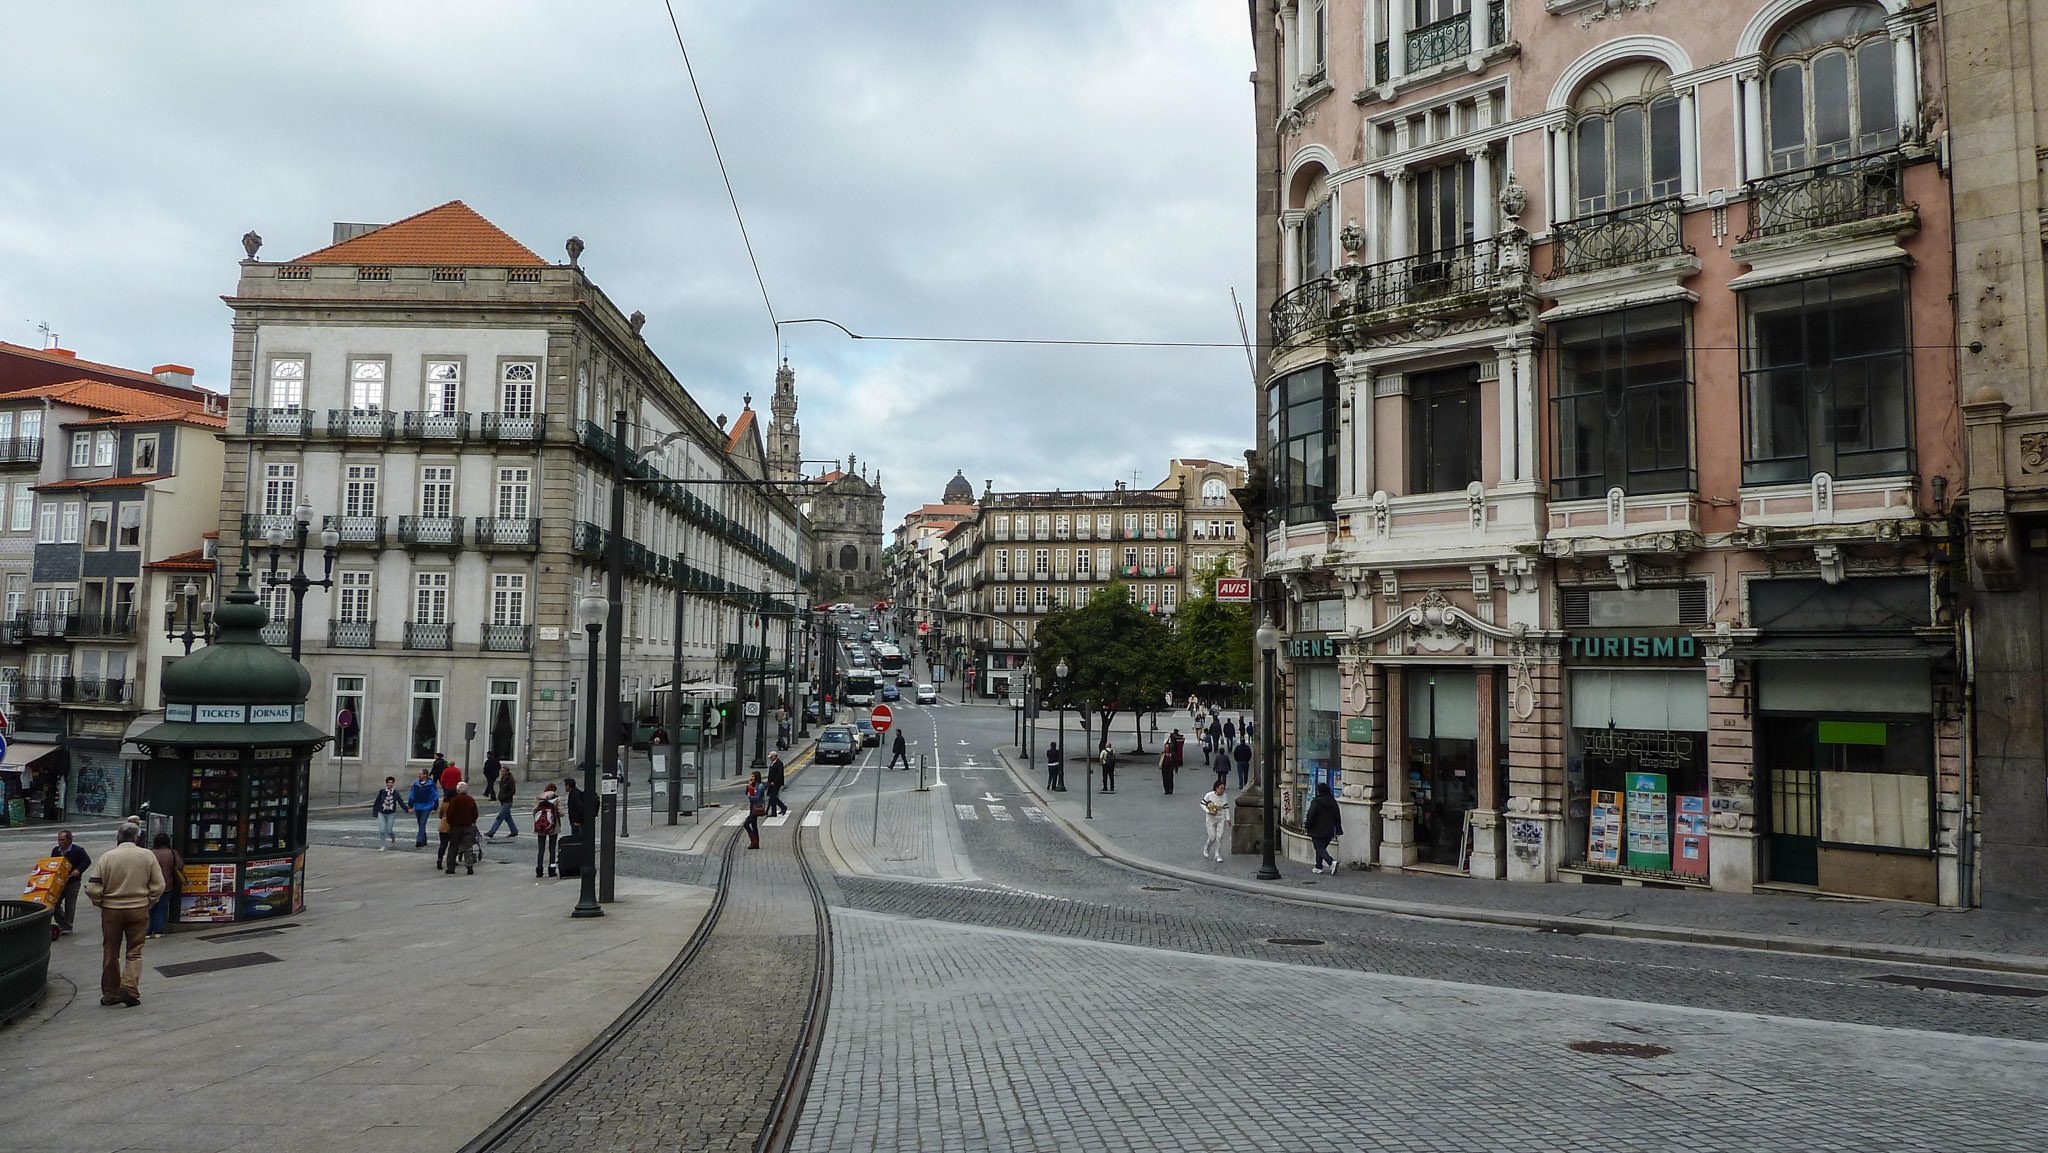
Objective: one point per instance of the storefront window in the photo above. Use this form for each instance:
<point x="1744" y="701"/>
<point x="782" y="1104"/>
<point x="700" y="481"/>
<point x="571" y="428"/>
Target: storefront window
<point x="1637" y="767"/>
<point x="1443" y="759"/>
<point x="426" y="718"/>
<point x="1316" y="717"/>
<point x="348" y="716"/>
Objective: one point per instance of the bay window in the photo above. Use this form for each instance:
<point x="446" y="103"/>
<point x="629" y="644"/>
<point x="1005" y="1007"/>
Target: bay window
<point x="1302" y="440"/>
<point x="1827" y="383"/>
<point x="1622" y="403"/>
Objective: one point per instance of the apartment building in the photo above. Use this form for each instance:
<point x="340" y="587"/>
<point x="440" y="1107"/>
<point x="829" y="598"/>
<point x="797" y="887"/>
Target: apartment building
<point x="1610" y="419"/>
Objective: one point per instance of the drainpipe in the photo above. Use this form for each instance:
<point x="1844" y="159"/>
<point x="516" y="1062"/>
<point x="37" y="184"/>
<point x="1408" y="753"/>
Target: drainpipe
<point x="1966" y="828"/>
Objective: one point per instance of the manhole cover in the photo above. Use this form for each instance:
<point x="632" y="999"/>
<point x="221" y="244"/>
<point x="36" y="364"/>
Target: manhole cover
<point x="1292" y="941"/>
<point x="237" y="961"/>
<point x="1977" y="987"/>
<point x="1619" y="1049"/>
<point x="1162" y="888"/>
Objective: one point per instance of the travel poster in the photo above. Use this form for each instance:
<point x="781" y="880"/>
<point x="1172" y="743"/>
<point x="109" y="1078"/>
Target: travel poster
<point x="209" y="894"/>
<point x="1649" y="822"/>
<point x="1603" y="840"/>
<point x="267" y="887"/>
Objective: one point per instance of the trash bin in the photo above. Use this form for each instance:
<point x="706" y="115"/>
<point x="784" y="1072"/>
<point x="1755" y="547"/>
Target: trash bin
<point x="569" y="856"/>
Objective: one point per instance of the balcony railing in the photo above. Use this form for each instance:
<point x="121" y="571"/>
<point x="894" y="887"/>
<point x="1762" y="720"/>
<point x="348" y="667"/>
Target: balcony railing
<point x="507" y="638"/>
<point x="430" y="531"/>
<point x="1621" y="236"/>
<point x="1428" y="276"/>
<point x="588" y="539"/>
<point x="351" y="634"/>
<point x="1835" y="193"/>
<point x="256" y="526"/>
<point x="419" y="635"/>
<point x="115" y="624"/>
<point x="359" y="531"/>
<point x="372" y="424"/>
<point x="436" y="425"/>
<point x="1300" y="309"/>
<point x="21" y="450"/>
<point x="1432" y="44"/>
<point x="277" y="633"/>
<point x="514" y="532"/>
<point x="105" y="692"/>
<point x="52" y="624"/>
<point x="277" y="422"/>
<point x="525" y="426"/>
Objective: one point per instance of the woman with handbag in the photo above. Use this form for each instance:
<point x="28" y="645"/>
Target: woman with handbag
<point x="757" y="804"/>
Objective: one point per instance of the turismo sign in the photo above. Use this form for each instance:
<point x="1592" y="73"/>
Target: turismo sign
<point x="1633" y="648"/>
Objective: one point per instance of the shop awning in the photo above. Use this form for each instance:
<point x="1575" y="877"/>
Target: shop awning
<point x="1841" y="648"/>
<point x="23" y="754"/>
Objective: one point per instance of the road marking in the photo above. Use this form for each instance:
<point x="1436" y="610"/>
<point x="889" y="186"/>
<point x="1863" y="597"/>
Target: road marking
<point x="814" y="818"/>
<point x="739" y="818"/>
<point x="990" y="797"/>
<point x="1035" y="813"/>
<point x="999" y="812"/>
<point x="966" y="812"/>
<point x="776" y="822"/>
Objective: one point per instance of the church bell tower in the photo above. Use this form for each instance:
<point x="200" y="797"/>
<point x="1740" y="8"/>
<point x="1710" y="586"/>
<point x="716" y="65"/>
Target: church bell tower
<point x="785" y="436"/>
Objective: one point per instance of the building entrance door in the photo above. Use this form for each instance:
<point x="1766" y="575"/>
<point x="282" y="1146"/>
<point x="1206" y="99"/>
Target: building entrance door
<point x="1794" y="785"/>
<point x="1443" y="760"/>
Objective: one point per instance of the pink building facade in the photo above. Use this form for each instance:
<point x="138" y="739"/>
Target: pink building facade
<point x="1612" y="435"/>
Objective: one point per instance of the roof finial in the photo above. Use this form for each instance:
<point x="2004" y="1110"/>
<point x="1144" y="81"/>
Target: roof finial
<point x="638" y="321"/>
<point x="251" y="242"/>
<point x="575" y="249"/>
<point x="746" y="400"/>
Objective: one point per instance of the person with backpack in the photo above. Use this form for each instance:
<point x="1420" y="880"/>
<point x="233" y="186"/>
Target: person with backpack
<point x="547" y="823"/>
<point x="424" y="799"/>
<point x="777" y="778"/>
<point x="385" y="808"/>
<point x="1108" y="767"/>
<point x="505" y="791"/>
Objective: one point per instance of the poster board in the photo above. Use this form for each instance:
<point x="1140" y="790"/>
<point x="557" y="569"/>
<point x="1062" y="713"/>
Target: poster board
<point x="1648" y="821"/>
<point x="208" y="895"/>
<point x="1691" y="837"/>
<point x="267" y="887"/>
<point x="1603" y="838"/>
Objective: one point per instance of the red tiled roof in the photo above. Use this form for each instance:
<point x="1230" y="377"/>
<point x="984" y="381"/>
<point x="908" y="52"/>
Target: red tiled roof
<point x="739" y="429"/>
<point x="208" y="419"/>
<point x="121" y="400"/>
<point x="452" y="235"/>
<point x="192" y="561"/>
<point x="933" y="511"/>
<point x="828" y="478"/>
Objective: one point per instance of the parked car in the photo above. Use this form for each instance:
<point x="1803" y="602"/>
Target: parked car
<point x="869" y="735"/>
<point x="837" y="744"/>
<point x="891" y="693"/>
<point x="927" y="695"/>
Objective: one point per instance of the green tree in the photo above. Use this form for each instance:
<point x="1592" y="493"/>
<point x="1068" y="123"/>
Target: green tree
<point x="1216" y="636"/>
<point x="1119" y="658"/>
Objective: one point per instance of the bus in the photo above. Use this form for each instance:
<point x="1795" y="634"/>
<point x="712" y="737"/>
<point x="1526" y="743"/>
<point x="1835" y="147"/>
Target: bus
<point x="889" y="658"/>
<point x="861" y="687"/>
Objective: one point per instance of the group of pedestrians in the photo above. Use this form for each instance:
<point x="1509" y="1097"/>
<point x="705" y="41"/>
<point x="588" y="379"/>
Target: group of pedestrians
<point x="133" y="888"/>
<point x="442" y="794"/>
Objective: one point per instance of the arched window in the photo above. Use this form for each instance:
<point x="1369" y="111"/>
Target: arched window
<point x="849" y="557"/>
<point x="1312" y="236"/>
<point x="1625" y="139"/>
<point x="1830" y="89"/>
<point x="1214" y="491"/>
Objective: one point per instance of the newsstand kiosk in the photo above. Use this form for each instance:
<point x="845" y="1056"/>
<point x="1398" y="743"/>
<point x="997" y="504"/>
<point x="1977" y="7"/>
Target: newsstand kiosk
<point x="230" y="767"/>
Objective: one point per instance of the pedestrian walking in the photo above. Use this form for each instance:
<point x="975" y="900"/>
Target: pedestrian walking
<point x="507" y="792"/>
<point x="1216" y="810"/>
<point x="1108" y="768"/>
<point x="384" y="806"/>
<point x="1177" y="745"/>
<point x="450" y="776"/>
<point x="1055" y="768"/>
<point x="125" y="883"/>
<point x="1166" y="770"/>
<point x="576" y="806"/>
<point x="424" y="798"/>
<point x="777" y="778"/>
<point x="899" y="750"/>
<point x="67" y="902"/>
<point x="547" y="823"/>
<point x="461" y="825"/>
<point x="1230" y="731"/>
<point x="173" y="865"/>
<point x="1243" y="755"/>
<point x="1214" y="732"/>
<point x="757" y="803"/>
<point x="492" y="767"/>
<point x="1324" y="821"/>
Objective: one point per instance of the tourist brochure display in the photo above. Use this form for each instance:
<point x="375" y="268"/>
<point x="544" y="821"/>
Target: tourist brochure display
<point x="1648" y="821"/>
<point x="1691" y="837"/>
<point x="1604" y="840"/>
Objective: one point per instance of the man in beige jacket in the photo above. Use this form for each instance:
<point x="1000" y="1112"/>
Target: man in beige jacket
<point x="124" y="883"/>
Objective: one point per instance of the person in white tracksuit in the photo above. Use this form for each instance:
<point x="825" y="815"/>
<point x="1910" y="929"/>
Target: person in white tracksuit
<point x="1216" y="807"/>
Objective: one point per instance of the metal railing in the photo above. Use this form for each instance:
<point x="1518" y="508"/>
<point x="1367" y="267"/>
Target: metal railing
<point x="1838" y="192"/>
<point x="520" y="532"/>
<point x="351" y="634"/>
<point x="514" y="426"/>
<point x="357" y="530"/>
<point x="51" y="624"/>
<point x="423" y="635"/>
<point x="373" y="423"/>
<point x="115" y="624"/>
<point x="1432" y="44"/>
<point x="430" y="531"/>
<point x="277" y="633"/>
<point x="1428" y="276"/>
<point x="277" y="422"/>
<point x="507" y="638"/>
<point x="435" y="425"/>
<point x="1301" y="308"/>
<point x="106" y="692"/>
<point x="21" y="449"/>
<point x="1620" y="236"/>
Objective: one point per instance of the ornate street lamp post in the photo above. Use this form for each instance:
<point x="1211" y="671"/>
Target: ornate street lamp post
<point x="591" y="611"/>
<point x="298" y="582"/>
<point x="198" y="623"/>
<point x="1268" y="638"/>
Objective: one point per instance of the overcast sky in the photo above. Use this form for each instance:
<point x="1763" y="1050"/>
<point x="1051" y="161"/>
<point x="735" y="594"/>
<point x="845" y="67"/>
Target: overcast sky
<point x="1049" y="169"/>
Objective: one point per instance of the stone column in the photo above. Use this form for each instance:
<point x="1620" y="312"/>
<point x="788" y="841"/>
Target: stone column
<point x="1361" y="794"/>
<point x="1688" y="143"/>
<point x="1734" y="850"/>
<point x="1489" y="848"/>
<point x="1560" y="208"/>
<point x="1397" y="214"/>
<point x="1397" y="813"/>
<point x="1752" y="126"/>
<point x="1290" y="248"/>
<point x="1477" y="16"/>
<point x="1905" y="79"/>
<point x="1363" y="456"/>
<point x="1482" y="197"/>
<point x="1536" y="787"/>
<point x="1290" y="53"/>
<point x="1397" y="39"/>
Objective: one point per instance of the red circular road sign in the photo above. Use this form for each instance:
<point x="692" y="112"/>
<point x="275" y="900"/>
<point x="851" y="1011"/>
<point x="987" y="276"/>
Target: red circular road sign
<point x="881" y="718"/>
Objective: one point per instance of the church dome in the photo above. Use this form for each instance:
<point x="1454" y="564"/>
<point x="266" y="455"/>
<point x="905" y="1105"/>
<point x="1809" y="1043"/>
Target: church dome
<point x="959" y="490"/>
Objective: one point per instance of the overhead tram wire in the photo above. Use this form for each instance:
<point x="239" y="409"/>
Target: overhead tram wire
<point x="774" y="324"/>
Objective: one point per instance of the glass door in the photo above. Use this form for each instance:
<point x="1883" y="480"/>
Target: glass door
<point x="1443" y="759"/>
<point x="1793" y="783"/>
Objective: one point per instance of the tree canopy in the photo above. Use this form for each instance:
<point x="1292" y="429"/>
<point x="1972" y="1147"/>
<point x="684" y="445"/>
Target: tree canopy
<point x="1119" y="657"/>
<point x="1217" y="637"/>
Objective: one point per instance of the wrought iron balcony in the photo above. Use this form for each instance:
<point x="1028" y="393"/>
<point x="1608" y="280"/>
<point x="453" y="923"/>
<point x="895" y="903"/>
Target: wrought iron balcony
<point x="1300" y="309"/>
<point x="436" y="425"/>
<point x="105" y="692"/>
<point x="507" y="426"/>
<point x="1835" y="193"/>
<point x="277" y="422"/>
<point x="115" y="624"/>
<point x="1621" y="236"/>
<point x="372" y="424"/>
<point x="1429" y="276"/>
<point x="588" y="539"/>
<point x="508" y="532"/>
<point x="277" y="633"/>
<point x="507" y="638"/>
<point x="1432" y="44"/>
<point x="14" y="629"/>
<point x="53" y="624"/>
<point x="357" y="531"/>
<point x="421" y="635"/>
<point x="430" y="531"/>
<point x="256" y="526"/>
<point x="21" y="450"/>
<point x="351" y="634"/>
<point x="46" y="689"/>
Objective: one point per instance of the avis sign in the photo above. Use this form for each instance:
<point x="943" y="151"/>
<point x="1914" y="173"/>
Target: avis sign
<point x="1234" y="590"/>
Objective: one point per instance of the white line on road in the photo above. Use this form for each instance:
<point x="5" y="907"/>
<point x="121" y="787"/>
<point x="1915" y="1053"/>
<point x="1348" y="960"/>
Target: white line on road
<point x="739" y="818"/>
<point x="966" y="812"/>
<point x="814" y="818"/>
<point x="999" y="812"/>
<point x="776" y="822"/>
<point x="1035" y="813"/>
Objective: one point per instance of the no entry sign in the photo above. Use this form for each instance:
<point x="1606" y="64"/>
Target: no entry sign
<point x="1234" y="590"/>
<point x="882" y="718"/>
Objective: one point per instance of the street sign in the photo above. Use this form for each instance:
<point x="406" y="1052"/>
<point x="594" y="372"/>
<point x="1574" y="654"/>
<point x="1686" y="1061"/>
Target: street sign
<point x="753" y="708"/>
<point x="882" y="718"/>
<point x="924" y="628"/>
<point x="1234" y="590"/>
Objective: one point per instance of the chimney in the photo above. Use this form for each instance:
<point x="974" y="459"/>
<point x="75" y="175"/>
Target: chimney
<point x="351" y="231"/>
<point x="173" y="374"/>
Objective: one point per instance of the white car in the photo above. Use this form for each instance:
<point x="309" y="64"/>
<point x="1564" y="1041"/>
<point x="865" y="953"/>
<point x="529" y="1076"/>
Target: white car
<point x="927" y="695"/>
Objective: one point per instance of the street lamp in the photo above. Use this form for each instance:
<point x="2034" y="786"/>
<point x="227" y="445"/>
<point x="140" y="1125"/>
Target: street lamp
<point x="1059" y="681"/>
<point x="198" y="621"/>
<point x="591" y="611"/>
<point x="1268" y="638"/>
<point x="298" y="582"/>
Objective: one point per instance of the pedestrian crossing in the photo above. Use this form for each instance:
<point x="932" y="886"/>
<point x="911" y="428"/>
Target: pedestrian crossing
<point x="1031" y="813"/>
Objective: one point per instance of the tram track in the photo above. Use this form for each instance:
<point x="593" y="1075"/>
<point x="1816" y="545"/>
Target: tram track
<point x="560" y="1105"/>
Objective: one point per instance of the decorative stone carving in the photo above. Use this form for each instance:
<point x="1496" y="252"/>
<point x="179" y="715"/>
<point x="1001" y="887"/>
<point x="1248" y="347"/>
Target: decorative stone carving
<point x="1518" y="574"/>
<point x="1429" y="328"/>
<point x="1617" y="507"/>
<point x="1614" y="10"/>
<point x="1439" y="630"/>
<point x="1390" y="587"/>
<point x="1513" y="199"/>
<point x="1382" y="515"/>
<point x="574" y="247"/>
<point x="1352" y="237"/>
<point x="251" y="242"/>
<point x="638" y="321"/>
<point x="2033" y="450"/>
<point x="1829" y="558"/>
<point x="1482" y="584"/>
<point x="1475" y="505"/>
<point x="1624" y="568"/>
<point x="1511" y="249"/>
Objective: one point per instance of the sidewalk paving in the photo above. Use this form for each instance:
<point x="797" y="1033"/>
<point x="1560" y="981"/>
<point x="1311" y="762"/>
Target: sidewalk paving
<point x="1140" y="826"/>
